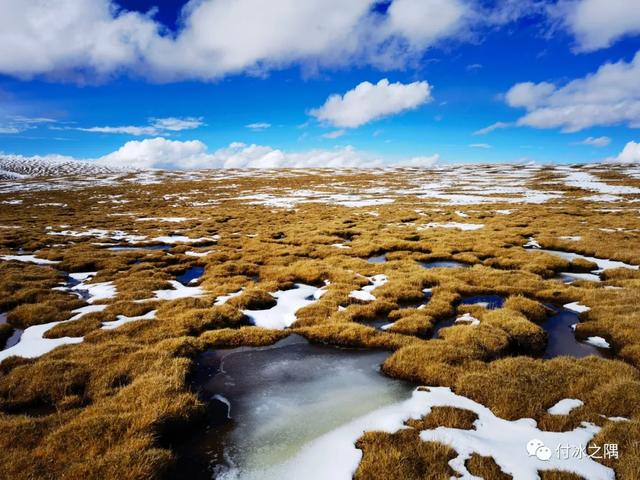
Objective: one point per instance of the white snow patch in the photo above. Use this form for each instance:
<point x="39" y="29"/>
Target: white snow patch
<point x="340" y="245"/>
<point x="602" y="263"/>
<point x="123" y="319"/>
<point x="183" y="239"/>
<point x="532" y="243"/>
<point x="364" y="293"/>
<point x="564" y="407"/>
<point x="576" y="307"/>
<point x="459" y="226"/>
<point x="222" y="299"/>
<point x="28" y="259"/>
<point x="178" y="291"/>
<point x="468" y="318"/>
<point x="283" y="313"/>
<point x="571" y="238"/>
<point x="597" y="342"/>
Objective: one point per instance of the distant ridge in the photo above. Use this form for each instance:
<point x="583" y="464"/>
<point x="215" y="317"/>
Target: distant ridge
<point x="13" y="167"/>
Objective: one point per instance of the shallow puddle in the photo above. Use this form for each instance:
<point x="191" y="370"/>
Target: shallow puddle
<point x="278" y="399"/>
<point x="444" y="264"/>
<point x="562" y="340"/>
<point x="377" y="259"/>
<point x="191" y="275"/>
<point x="489" y="301"/>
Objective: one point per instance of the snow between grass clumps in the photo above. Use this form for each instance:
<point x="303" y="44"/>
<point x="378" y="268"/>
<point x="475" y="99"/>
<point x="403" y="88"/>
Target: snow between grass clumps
<point x="335" y="456"/>
<point x="364" y="293"/>
<point x="283" y="314"/>
<point x="28" y="259"/>
<point x="597" y="342"/>
<point x="123" y="319"/>
<point x="178" y="291"/>
<point x="576" y="307"/>
<point x="564" y="407"/>
<point x="459" y="226"/>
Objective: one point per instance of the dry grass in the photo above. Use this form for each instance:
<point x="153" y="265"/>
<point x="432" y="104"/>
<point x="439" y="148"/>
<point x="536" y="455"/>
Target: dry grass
<point x="105" y="408"/>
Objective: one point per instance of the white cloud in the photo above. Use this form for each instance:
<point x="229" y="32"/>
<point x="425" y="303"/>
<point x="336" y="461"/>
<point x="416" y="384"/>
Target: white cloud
<point x="596" y="141"/>
<point x="174" y="124"/>
<point x="610" y="96"/>
<point x="187" y="155"/>
<point x="598" y="24"/>
<point x="18" y="124"/>
<point x="258" y="126"/>
<point x="368" y="102"/>
<point x="480" y="145"/>
<point x="422" y="161"/>
<point x="156" y="126"/>
<point x="85" y="39"/>
<point x="492" y="127"/>
<point x="629" y="154"/>
<point x="334" y="134"/>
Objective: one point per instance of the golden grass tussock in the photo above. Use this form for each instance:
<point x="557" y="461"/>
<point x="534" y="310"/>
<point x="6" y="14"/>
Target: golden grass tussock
<point x="450" y="417"/>
<point x="385" y="456"/>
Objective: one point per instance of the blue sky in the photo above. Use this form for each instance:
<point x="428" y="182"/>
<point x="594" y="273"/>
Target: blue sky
<point x="454" y="75"/>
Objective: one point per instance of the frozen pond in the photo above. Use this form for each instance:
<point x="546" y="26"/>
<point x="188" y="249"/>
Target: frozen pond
<point x="280" y="398"/>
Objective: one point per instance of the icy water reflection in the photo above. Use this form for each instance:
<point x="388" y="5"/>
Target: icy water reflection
<point x="280" y="398"/>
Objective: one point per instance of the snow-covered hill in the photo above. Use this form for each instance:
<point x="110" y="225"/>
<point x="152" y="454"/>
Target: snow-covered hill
<point x="16" y="166"/>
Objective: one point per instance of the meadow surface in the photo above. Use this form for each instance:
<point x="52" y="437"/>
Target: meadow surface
<point x="112" y="286"/>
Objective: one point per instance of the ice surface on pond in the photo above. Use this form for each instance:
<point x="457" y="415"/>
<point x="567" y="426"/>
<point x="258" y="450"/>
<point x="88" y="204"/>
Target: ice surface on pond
<point x="364" y="294"/>
<point x="564" y="407"/>
<point x="284" y="396"/>
<point x="28" y="259"/>
<point x="334" y="455"/>
<point x="283" y="313"/>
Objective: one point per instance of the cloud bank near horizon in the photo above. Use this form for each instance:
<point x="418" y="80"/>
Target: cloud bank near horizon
<point x="166" y="154"/>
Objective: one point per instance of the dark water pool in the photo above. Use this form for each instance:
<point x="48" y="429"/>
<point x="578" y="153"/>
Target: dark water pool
<point x="444" y="264"/>
<point x="561" y="337"/>
<point x="191" y="275"/>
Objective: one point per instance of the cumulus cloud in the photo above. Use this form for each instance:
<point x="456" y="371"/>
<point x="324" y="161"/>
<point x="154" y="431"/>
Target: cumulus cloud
<point x="368" y="102"/>
<point x="167" y="154"/>
<point x="156" y="126"/>
<point x="629" y="154"/>
<point x="609" y="96"/>
<point x="492" y="127"/>
<point x="95" y="38"/>
<point x="596" y="141"/>
<point x="421" y="161"/>
<point x="597" y="24"/>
